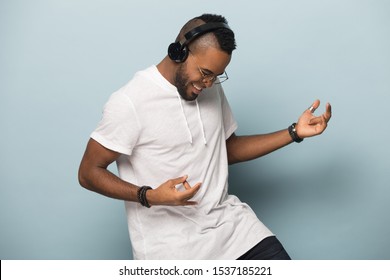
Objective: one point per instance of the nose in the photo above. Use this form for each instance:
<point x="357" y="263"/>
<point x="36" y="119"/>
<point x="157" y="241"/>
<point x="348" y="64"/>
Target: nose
<point x="207" y="83"/>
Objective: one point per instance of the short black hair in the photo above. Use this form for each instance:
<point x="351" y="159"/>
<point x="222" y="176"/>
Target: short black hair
<point x="225" y="37"/>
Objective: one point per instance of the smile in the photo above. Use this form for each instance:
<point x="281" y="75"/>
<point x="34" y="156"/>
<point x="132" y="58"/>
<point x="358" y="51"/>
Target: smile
<point x="196" y="87"/>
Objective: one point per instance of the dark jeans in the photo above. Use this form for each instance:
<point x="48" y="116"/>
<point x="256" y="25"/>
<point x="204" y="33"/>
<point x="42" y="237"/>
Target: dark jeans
<point x="268" y="249"/>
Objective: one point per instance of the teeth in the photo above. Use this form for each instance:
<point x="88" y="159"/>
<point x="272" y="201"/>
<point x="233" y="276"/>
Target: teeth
<point x="198" y="88"/>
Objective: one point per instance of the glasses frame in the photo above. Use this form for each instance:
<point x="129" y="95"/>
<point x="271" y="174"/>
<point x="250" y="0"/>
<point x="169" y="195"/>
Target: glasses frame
<point x="214" y="79"/>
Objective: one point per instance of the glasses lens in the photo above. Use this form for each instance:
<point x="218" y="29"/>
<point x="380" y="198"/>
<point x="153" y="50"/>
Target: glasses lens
<point x="222" y="78"/>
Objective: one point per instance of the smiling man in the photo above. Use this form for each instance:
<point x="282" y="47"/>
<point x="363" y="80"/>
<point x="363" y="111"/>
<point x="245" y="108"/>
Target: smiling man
<point x="171" y="132"/>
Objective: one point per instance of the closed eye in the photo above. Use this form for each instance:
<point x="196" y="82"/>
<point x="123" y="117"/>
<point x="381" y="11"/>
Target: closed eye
<point x="206" y="72"/>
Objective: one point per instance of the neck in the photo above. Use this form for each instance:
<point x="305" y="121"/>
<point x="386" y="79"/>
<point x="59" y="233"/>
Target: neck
<point x="167" y="69"/>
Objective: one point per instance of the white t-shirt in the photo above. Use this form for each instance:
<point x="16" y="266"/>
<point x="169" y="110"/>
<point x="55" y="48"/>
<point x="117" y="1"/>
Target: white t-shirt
<point x="161" y="137"/>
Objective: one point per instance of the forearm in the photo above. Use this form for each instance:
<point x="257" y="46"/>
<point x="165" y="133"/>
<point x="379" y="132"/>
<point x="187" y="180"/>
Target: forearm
<point x="102" y="181"/>
<point x="244" y="148"/>
<point x="93" y="175"/>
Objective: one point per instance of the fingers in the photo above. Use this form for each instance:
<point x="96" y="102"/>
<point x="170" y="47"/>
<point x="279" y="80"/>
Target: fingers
<point x="317" y="120"/>
<point x="188" y="187"/>
<point x="309" y="125"/>
<point x="325" y="117"/>
<point x="179" y="180"/>
<point x="189" y="192"/>
<point x="328" y="113"/>
<point x="314" y="106"/>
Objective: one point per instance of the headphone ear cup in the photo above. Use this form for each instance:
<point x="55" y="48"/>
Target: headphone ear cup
<point x="177" y="52"/>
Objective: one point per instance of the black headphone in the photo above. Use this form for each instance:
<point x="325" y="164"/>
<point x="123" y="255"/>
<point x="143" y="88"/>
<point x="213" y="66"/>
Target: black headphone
<point x="178" y="51"/>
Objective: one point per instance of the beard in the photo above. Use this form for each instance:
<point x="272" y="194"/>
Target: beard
<point x="182" y="84"/>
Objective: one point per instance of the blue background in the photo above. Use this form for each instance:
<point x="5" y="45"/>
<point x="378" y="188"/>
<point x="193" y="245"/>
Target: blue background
<point x="326" y="198"/>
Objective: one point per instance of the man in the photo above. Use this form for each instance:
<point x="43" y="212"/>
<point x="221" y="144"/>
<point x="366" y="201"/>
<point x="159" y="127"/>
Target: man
<point x="171" y="132"/>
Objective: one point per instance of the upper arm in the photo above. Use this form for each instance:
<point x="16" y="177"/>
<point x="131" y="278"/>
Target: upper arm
<point x="230" y="146"/>
<point x="230" y="139"/>
<point x="95" y="156"/>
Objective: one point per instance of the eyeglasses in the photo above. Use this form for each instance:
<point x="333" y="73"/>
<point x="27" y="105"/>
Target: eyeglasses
<point x="206" y="77"/>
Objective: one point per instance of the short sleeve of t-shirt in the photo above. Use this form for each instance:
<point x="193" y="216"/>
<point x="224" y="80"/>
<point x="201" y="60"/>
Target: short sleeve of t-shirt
<point x="119" y="127"/>
<point x="229" y="123"/>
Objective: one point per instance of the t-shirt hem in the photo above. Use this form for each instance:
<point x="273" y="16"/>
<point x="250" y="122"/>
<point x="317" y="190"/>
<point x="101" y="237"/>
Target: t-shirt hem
<point x="253" y="244"/>
<point x="109" y="145"/>
<point x="231" y="130"/>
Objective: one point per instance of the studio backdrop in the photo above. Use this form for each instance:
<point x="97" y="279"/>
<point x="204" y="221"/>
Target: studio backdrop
<point x="325" y="198"/>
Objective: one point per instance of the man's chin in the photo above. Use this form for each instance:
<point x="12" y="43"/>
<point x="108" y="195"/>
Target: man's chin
<point x="189" y="96"/>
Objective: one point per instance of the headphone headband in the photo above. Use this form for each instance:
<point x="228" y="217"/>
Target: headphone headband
<point x="178" y="51"/>
<point x="202" y="29"/>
